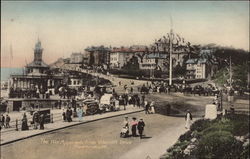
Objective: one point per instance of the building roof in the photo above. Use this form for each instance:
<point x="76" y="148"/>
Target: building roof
<point x="76" y="54"/>
<point x="156" y="55"/>
<point x="35" y="64"/>
<point x="201" y="61"/>
<point x="191" y="61"/>
<point x="122" y="49"/>
<point x="97" y="48"/>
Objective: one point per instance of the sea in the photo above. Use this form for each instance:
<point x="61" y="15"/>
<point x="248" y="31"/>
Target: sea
<point x="6" y="72"/>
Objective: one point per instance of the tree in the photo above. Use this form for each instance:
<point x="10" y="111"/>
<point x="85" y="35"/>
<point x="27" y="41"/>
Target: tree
<point x="132" y="64"/>
<point x="179" y="70"/>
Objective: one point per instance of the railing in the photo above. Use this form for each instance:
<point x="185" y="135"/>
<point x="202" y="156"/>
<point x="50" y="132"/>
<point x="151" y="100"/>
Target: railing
<point x="17" y="124"/>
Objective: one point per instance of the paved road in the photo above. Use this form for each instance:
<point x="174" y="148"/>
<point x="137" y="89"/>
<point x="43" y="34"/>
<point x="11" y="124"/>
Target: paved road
<point x="97" y="140"/>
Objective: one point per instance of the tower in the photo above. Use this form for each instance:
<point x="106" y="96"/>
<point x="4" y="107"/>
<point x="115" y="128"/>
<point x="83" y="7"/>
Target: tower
<point x="38" y="51"/>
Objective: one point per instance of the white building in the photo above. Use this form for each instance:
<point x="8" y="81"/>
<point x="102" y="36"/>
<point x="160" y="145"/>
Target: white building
<point x="76" y="58"/>
<point x="75" y="83"/>
<point x="119" y="57"/>
<point x="200" y="68"/>
<point x="156" y="61"/>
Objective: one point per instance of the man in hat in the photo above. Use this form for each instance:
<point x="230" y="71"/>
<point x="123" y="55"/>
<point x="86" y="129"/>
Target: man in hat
<point x="147" y="106"/>
<point x="41" y="121"/>
<point x="140" y="127"/>
<point x="7" y="121"/>
<point x="2" y="120"/>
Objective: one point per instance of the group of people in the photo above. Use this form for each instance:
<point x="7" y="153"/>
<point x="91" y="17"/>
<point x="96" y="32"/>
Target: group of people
<point x="4" y="121"/>
<point x="135" y="125"/>
<point x="38" y="120"/>
<point x="67" y="115"/>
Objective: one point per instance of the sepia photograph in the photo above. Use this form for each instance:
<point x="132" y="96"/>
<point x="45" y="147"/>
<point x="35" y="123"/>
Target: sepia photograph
<point x="124" y="80"/>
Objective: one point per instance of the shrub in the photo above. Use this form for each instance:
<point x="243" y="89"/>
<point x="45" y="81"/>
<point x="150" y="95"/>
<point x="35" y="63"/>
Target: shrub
<point x="176" y="151"/>
<point x="187" y="136"/>
<point x="200" y="125"/>
<point x="218" y="144"/>
<point x="219" y="126"/>
<point x="245" y="153"/>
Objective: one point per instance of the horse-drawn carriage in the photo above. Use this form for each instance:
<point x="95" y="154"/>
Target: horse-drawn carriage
<point x="108" y="103"/>
<point x="90" y="105"/>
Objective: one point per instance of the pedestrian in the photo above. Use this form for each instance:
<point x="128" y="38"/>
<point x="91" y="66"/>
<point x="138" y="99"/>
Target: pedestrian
<point x="140" y="127"/>
<point x="125" y="122"/>
<point x="133" y="126"/>
<point x="143" y="99"/>
<point x="188" y="119"/>
<point x="146" y="107"/>
<point x="24" y="123"/>
<point x="125" y="128"/>
<point x="131" y="89"/>
<point x="138" y="102"/>
<point x="60" y="104"/>
<point x="64" y="115"/>
<point x="132" y="100"/>
<point x="7" y="121"/>
<point x="79" y="113"/>
<point x="69" y="113"/>
<point x="122" y="102"/>
<point x="138" y="89"/>
<point x="41" y="120"/>
<point x="2" y="120"/>
<point x="152" y="107"/>
<point x="113" y="91"/>
<point x="36" y="119"/>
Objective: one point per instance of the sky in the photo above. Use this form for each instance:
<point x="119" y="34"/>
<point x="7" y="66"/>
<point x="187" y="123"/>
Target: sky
<point x="65" y="27"/>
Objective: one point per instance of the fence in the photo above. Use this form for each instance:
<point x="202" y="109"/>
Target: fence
<point x="16" y="125"/>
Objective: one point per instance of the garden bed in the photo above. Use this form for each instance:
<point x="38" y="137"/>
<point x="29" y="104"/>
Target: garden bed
<point x="225" y="137"/>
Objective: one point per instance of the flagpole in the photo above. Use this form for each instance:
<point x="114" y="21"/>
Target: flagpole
<point x="170" y="51"/>
<point x="170" y="58"/>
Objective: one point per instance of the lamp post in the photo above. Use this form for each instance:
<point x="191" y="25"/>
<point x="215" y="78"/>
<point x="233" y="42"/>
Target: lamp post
<point x="230" y="93"/>
<point x="230" y="73"/>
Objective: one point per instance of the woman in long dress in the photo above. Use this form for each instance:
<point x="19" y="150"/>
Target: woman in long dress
<point x="152" y="106"/>
<point x="79" y="113"/>
<point x="133" y="127"/>
<point x="188" y="119"/>
<point x="25" y="123"/>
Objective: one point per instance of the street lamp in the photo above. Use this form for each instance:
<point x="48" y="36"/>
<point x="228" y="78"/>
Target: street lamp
<point x="230" y="93"/>
<point x="230" y="72"/>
